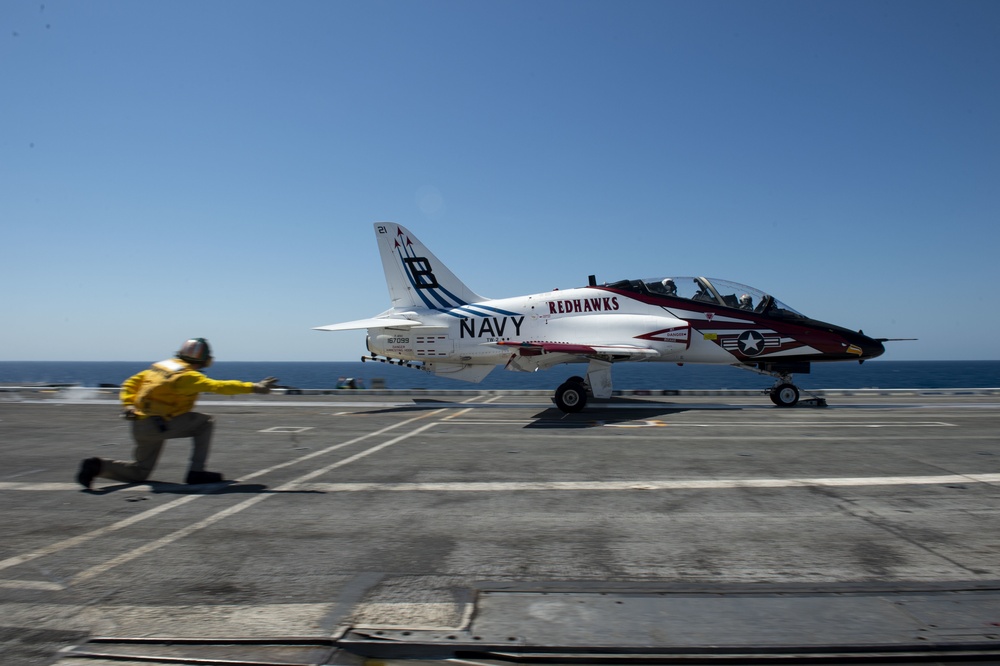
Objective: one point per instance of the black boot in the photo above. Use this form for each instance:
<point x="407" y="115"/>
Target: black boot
<point x="89" y="468"/>
<point x="203" y="477"/>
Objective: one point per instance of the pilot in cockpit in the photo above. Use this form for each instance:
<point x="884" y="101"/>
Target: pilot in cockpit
<point x="669" y="288"/>
<point x="746" y="302"/>
<point x="703" y="294"/>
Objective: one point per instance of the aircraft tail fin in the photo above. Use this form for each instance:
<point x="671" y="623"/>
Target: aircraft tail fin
<point x="415" y="277"/>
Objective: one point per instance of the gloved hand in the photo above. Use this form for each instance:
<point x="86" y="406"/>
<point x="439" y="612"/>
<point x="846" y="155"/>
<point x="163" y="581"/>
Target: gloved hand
<point x="129" y="414"/>
<point x="264" y="385"/>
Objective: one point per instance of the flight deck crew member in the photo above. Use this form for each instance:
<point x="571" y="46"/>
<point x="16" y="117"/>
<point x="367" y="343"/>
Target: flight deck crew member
<point x="159" y="401"/>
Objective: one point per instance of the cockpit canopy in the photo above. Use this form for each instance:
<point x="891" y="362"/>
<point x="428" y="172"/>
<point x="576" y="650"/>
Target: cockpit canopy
<point x="711" y="290"/>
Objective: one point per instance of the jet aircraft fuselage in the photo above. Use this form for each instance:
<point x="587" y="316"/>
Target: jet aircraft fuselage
<point x="441" y="326"/>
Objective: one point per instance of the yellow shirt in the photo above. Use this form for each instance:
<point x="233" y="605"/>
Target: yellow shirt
<point x="170" y="388"/>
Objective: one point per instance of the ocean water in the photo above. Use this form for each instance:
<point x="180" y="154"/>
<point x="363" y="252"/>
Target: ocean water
<point x="649" y="376"/>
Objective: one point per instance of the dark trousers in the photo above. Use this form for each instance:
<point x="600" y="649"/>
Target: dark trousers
<point x="150" y="433"/>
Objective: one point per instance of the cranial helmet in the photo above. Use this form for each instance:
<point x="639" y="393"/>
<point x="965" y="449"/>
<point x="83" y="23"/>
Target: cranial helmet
<point x="195" y="350"/>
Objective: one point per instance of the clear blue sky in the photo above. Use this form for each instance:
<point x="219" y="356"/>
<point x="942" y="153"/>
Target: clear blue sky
<point x="213" y="168"/>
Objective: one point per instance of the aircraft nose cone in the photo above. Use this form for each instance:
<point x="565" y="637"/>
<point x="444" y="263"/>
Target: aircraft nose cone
<point x="870" y="347"/>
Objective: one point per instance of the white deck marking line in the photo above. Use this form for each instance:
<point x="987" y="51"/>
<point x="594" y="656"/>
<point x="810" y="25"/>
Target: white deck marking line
<point x="468" y="409"/>
<point x="488" y="422"/>
<point x="31" y="585"/>
<point x="733" y="424"/>
<point x="101" y="531"/>
<point x="458" y="413"/>
<point x="27" y="485"/>
<point x="638" y="484"/>
<point x="678" y="484"/>
<point x="330" y="449"/>
<point x="93" y="534"/>
<point x="254" y="619"/>
<point x="821" y="424"/>
<point x="497" y="486"/>
<point x="99" y="569"/>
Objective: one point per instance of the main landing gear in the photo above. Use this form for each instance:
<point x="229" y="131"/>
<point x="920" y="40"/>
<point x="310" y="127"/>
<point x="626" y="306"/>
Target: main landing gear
<point x="571" y="396"/>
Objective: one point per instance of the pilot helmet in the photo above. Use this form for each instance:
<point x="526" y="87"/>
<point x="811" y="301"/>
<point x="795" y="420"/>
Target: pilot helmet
<point x="195" y="350"/>
<point x="745" y="298"/>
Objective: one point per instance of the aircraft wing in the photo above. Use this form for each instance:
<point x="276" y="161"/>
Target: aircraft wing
<point x="375" y="322"/>
<point x="538" y="348"/>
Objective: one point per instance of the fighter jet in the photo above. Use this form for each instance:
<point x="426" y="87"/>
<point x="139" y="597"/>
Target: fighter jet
<point x="438" y="324"/>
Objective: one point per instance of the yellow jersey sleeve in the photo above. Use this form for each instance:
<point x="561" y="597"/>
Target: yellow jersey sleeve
<point x="130" y="389"/>
<point x="191" y="383"/>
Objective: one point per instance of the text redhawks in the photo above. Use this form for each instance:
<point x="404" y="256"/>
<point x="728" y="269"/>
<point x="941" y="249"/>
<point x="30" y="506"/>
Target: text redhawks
<point x="607" y="304"/>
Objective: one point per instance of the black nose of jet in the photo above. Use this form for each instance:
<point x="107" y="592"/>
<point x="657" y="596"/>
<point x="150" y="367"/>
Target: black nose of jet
<point x="873" y="348"/>
<point x="870" y="347"/>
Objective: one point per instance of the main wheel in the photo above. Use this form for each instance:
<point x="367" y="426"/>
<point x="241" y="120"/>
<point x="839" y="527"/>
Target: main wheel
<point x="785" y="395"/>
<point x="571" y="397"/>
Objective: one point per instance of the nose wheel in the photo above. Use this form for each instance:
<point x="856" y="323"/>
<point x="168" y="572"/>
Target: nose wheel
<point x="785" y="394"/>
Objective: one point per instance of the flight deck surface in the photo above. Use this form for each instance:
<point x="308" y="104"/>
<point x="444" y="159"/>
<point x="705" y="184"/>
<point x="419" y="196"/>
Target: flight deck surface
<point x="387" y="520"/>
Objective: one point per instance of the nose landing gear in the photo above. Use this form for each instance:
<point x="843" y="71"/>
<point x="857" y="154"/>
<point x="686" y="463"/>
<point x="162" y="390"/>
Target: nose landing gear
<point x="784" y="394"/>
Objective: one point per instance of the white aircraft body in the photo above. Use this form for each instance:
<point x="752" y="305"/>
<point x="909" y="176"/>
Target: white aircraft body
<point x="436" y="323"/>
